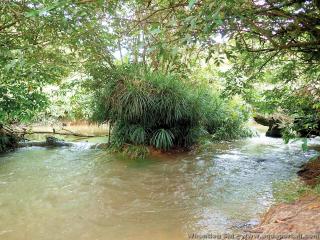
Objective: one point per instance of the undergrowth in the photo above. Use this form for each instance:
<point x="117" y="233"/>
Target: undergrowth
<point x="165" y="111"/>
<point x="291" y="190"/>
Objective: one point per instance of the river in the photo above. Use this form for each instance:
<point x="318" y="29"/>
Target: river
<point x="86" y="194"/>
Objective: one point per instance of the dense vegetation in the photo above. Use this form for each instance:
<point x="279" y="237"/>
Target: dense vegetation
<point x="8" y="140"/>
<point x="163" y="110"/>
<point x="41" y="43"/>
<point x="154" y="55"/>
<point x="271" y="49"/>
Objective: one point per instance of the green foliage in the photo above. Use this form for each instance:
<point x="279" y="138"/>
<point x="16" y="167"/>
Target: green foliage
<point x="7" y="141"/>
<point x="289" y="191"/>
<point x="162" y="110"/>
<point x="271" y="49"/>
<point x="292" y="190"/>
<point x="40" y="42"/>
<point x="4" y="140"/>
<point x="138" y="135"/>
<point x="230" y="123"/>
<point x="289" y="89"/>
<point x="317" y="187"/>
<point x="162" y="139"/>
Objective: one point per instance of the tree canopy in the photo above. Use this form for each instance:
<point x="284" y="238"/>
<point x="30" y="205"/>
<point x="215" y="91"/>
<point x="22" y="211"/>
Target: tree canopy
<point x="267" y="51"/>
<point x="41" y="42"/>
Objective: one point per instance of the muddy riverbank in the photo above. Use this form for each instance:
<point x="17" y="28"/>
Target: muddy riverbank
<point x="301" y="216"/>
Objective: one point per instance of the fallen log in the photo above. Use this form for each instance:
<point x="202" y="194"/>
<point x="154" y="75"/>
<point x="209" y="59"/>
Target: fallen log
<point x="42" y="144"/>
<point x="50" y="142"/>
<point x="55" y="142"/>
<point x="277" y="123"/>
<point x="262" y="120"/>
<point x="267" y="121"/>
<point x="69" y="133"/>
<point x="273" y="123"/>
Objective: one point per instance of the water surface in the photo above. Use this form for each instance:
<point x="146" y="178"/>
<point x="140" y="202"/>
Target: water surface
<point x="86" y="194"/>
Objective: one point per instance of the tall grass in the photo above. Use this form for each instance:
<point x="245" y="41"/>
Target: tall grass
<point x="162" y="110"/>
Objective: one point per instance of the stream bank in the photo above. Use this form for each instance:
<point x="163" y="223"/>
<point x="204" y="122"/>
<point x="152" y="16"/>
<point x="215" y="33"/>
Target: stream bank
<point x="301" y="216"/>
<point x="8" y="139"/>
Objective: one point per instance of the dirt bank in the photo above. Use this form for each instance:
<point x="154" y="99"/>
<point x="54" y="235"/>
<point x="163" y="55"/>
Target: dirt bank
<point x="310" y="172"/>
<point x="301" y="216"/>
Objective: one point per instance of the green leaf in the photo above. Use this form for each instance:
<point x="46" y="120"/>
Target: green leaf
<point x="155" y="31"/>
<point x="304" y="144"/>
<point x="192" y="3"/>
<point x="32" y="13"/>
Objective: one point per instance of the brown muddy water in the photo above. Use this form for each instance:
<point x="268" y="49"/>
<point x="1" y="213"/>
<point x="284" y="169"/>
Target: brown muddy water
<point x="85" y="194"/>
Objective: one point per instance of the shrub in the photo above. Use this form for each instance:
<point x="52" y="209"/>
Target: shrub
<point x="8" y="141"/>
<point x="162" y="110"/>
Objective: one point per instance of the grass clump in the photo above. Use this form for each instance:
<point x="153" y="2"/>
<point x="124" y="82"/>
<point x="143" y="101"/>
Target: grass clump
<point x="150" y="108"/>
<point x="291" y="190"/>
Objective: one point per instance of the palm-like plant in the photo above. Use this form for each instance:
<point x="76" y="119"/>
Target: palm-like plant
<point x="163" y="110"/>
<point x="162" y="139"/>
<point x="138" y="135"/>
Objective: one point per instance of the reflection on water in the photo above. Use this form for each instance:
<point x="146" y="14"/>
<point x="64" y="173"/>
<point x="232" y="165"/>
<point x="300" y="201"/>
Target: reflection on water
<point x="78" y="193"/>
